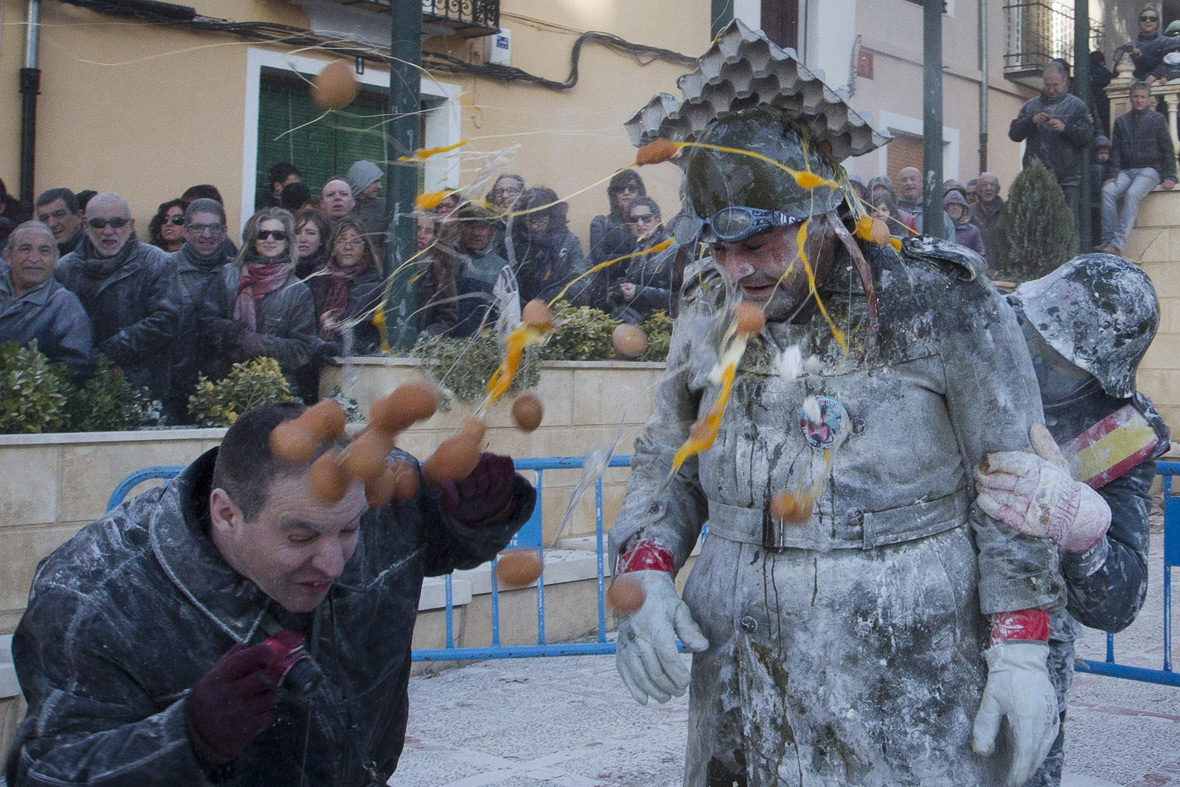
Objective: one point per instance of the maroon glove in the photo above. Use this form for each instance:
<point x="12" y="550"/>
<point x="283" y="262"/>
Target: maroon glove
<point x="485" y="496"/>
<point x="232" y="704"/>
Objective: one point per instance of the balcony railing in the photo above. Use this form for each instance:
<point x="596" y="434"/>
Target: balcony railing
<point x="466" y="18"/>
<point x="1040" y="31"/>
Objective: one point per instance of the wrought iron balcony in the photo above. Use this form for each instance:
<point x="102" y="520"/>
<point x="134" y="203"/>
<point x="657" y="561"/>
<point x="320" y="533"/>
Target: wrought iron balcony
<point x="1040" y="31"/>
<point x="465" y="18"/>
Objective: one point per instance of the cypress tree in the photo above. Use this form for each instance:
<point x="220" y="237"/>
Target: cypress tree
<point x="1035" y="233"/>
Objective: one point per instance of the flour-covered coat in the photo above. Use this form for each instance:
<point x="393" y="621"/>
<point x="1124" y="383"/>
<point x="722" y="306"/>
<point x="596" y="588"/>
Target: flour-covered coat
<point x="846" y="650"/>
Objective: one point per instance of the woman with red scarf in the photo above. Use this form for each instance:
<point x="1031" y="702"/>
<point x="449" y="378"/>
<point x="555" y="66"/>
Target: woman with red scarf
<point x="262" y="309"/>
<point x="348" y="290"/>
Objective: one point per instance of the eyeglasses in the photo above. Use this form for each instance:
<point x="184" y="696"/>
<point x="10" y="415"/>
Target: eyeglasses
<point x="276" y="234"/>
<point x="348" y="243"/>
<point x="201" y="229"/>
<point x="732" y="224"/>
<point x="1149" y="19"/>
<point x="177" y="219"/>
<point x="116" y="222"/>
<point x="643" y="218"/>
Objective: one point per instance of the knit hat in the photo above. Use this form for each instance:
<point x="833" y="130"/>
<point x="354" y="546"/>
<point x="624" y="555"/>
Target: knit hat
<point x="363" y="174"/>
<point x="1101" y="141"/>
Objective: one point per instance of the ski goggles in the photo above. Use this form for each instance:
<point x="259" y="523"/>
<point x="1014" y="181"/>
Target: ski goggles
<point x="732" y="224"/>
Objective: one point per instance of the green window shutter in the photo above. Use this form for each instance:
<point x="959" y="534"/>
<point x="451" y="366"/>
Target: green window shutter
<point x="288" y="130"/>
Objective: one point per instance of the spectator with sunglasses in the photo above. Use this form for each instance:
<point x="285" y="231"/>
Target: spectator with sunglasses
<point x="129" y="290"/>
<point x="1148" y="49"/>
<point x="199" y="266"/>
<point x="166" y="229"/>
<point x="260" y="308"/>
<point x="646" y="286"/>
<point x="610" y="237"/>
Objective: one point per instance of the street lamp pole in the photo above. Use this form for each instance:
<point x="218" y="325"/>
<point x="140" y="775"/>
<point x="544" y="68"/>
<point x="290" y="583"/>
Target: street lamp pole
<point x="403" y="136"/>
<point x="1081" y="89"/>
<point x="932" y="120"/>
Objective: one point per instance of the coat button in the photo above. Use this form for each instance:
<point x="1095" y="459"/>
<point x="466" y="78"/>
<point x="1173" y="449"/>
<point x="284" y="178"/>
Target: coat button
<point x="748" y="624"/>
<point x="854" y="517"/>
<point x="858" y="425"/>
<point x="750" y="432"/>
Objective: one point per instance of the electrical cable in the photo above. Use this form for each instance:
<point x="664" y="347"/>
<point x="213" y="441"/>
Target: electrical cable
<point x="174" y="15"/>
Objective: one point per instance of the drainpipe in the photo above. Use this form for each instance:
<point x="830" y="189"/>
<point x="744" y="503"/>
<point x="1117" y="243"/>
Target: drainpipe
<point x="30" y="86"/>
<point x="983" y="87"/>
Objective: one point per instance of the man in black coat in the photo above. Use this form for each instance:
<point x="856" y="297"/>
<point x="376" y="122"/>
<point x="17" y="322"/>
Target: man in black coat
<point x="1058" y="129"/>
<point x="198" y="264"/>
<point x="1088" y="325"/>
<point x="34" y="307"/>
<point x="1141" y="158"/>
<point x="157" y="645"/>
<point x="129" y="290"/>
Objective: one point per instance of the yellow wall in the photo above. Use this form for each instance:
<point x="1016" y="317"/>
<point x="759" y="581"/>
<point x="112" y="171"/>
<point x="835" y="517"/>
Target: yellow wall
<point x="147" y="110"/>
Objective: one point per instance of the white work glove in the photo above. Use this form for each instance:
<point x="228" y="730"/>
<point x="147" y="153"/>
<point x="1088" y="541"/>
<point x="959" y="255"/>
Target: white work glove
<point x="1018" y="687"/>
<point x="1037" y="496"/>
<point x="646" y="655"/>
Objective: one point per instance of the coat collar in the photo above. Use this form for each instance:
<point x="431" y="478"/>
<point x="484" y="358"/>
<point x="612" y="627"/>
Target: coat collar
<point x="192" y="562"/>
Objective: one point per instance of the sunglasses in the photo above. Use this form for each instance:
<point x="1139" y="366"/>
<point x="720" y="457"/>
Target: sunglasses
<point x="641" y="219"/>
<point x="730" y="224"/>
<point x="1149" y="19"/>
<point x="276" y="234"/>
<point x="117" y="223"/>
<point x="177" y="220"/>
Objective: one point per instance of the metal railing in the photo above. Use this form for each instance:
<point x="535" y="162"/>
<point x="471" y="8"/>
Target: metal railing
<point x="1165" y="676"/>
<point x="1040" y="31"/>
<point x="474" y="13"/>
<point x="531" y="535"/>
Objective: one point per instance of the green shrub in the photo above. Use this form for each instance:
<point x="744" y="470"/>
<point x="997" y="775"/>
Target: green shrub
<point x="32" y="391"/>
<point x="464" y="366"/>
<point x="248" y="385"/>
<point x="658" y="327"/>
<point x="108" y="403"/>
<point x="580" y="333"/>
<point x="1035" y="234"/>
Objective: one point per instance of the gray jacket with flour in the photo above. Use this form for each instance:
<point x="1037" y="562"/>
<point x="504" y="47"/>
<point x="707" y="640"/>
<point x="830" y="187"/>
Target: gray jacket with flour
<point x="841" y="647"/>
<point x="126" y="616"/>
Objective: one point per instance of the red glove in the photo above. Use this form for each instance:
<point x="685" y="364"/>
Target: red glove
<point x="232" y="704"/>
<point x="485" y="497"/>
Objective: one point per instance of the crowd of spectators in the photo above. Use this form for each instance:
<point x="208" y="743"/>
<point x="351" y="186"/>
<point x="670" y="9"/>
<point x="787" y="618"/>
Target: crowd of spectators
<point x="308" y="280"/>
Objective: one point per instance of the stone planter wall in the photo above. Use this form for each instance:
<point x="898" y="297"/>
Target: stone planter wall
<point x="52" y="485"/>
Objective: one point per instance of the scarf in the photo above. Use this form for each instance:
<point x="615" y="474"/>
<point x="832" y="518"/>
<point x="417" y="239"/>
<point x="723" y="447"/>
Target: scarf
<point x="340" y="280"/>
<point x="260" y="277"/>
<point x="206" y="264"/>
<point x="548" y="252"/>
<point x="98" y="267"/>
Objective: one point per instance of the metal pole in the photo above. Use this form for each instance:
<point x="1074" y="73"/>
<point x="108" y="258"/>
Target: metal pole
<point x="1081" y="89"/>
<point x="984" y="86"/>
<point x="404" y="135"/>
<point x="932" y="223"/>
<point x="30" y="86"/>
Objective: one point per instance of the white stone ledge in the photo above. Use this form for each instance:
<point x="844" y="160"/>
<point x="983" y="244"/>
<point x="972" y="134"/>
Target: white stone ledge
<point x="9" y="687"/>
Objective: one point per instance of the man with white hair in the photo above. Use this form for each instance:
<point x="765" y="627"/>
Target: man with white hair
<point x="34" y="307"/>
<point x="128" y="289"/>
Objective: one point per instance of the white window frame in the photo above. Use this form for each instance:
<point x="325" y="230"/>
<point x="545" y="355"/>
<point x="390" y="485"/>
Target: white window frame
<point x="442" y="120"/>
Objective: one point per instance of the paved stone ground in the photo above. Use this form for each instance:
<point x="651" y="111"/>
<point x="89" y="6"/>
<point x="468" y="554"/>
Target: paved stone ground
<point x="568" y="722"/>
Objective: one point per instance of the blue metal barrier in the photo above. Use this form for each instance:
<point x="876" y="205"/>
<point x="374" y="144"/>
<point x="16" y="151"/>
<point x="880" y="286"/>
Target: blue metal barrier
<point x="1163" y="676"/>
<point x="531" y="535"/>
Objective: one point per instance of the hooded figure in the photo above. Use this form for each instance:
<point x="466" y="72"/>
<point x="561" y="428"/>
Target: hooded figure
<point x="840" y="608"/>
<point x="966" y="233"/>
<point x="364" y="179"/>
<point x="1088" y="325"/>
